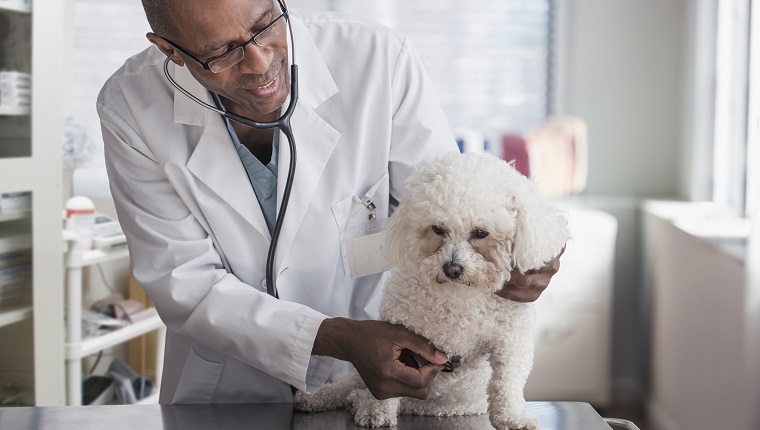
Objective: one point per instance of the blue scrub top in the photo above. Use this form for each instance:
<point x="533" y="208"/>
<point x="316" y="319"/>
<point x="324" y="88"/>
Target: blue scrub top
<point x="263" y="178"/>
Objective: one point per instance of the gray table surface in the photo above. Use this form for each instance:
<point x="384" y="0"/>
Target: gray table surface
<point x="552" y="416"/>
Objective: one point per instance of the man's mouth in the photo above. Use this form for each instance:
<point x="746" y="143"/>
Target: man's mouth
<point x="268" y="89"/>
<point x="267" y="85"/>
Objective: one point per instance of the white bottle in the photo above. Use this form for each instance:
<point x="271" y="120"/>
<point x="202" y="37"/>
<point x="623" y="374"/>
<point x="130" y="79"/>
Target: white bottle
<point x="80" y="218"/>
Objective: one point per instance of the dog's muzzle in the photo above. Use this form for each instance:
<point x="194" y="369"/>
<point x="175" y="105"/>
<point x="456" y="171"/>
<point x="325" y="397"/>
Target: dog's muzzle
<point x="453" y="270"/>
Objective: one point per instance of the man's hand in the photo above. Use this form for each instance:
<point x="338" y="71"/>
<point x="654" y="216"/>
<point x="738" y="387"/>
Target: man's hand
<point x="528" y="287"/>
<point x="374" y="348"/>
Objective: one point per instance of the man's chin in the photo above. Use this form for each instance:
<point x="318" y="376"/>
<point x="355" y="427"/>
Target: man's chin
<point x="261" y="111"/>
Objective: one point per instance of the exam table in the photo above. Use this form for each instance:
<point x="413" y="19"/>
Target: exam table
<point x="551" y="415"/>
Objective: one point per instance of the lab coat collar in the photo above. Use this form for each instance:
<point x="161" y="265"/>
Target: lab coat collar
<point x="315" y="138"/>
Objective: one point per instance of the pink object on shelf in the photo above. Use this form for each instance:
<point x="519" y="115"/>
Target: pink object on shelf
<point x="515" y="148"/>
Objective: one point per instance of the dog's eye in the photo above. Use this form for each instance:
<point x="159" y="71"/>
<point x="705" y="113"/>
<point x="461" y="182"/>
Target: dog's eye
<point x="438" y="230"/>
<point x="479" y="233"/>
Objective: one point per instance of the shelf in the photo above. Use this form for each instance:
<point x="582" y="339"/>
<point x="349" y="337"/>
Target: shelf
<point x="99" y="343"/>
<point x="11" y="216"/>
<point x="11" y="241"/>
<point x="15" y="6"/>
<point x="15" y="111"/>
<point x="83" y="259"/>
<point x="14" y="314"/>
<point x="150" y="400"/>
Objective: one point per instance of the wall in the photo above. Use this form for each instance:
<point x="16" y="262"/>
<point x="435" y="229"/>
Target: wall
<point x="621" y="67"/>
<point x="622" y="71"/>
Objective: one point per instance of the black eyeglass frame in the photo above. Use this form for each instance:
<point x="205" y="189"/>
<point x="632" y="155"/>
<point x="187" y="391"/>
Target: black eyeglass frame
<point x="207" y="64"/>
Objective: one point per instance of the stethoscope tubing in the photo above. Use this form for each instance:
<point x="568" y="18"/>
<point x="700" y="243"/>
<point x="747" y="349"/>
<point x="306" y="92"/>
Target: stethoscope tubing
<point x="283" y="124"/>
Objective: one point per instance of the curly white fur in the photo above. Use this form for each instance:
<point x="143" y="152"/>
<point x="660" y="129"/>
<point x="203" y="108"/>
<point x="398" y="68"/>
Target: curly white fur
<point x="465" y="222"/>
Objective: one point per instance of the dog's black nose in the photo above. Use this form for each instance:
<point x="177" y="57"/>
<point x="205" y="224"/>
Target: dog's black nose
<point x="452" y="270"/>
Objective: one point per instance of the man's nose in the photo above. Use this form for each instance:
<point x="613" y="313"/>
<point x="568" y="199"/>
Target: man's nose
<point x="257" y="59"/>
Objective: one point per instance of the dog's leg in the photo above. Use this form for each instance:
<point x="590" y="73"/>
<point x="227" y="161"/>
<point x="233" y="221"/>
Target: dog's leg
<point x="511" y="365"/>
<point x="330" y="397"/>
<point x="370" y="412"/>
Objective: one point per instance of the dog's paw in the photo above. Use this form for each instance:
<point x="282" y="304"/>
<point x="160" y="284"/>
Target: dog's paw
<point x="370" y="412"/>
<point x="523" y="422"/>
<point x="305" y="402"/>
<point x="302" y="402"/>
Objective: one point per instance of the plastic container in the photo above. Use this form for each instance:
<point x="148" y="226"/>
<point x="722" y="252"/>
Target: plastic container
<point x="80" y="218"/>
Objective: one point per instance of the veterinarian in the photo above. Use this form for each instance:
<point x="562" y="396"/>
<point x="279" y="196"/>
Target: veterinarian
<point x="196" y="196"/>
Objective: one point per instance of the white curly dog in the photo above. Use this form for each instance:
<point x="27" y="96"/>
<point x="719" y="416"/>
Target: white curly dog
<point x="463" y="224"/>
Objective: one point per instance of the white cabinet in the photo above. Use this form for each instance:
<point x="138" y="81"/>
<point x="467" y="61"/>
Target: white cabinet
<point x="573" y="345"/>
<point x="30" y="161"/>
<point x="704" y="318"/>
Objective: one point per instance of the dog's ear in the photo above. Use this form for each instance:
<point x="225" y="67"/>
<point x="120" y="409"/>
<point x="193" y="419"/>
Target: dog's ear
<point x="541" y="230"/>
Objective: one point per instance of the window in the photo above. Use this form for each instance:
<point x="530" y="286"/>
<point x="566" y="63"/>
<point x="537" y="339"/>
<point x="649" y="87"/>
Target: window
<point x="731" y="70"/>
<point x="105" y="34"/>
<point x="490" y="61"/>
<point x="725" y="119"/>
<point x="753" y="126"/>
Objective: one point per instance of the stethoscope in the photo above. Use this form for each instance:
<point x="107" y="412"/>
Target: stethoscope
<point x="283" y="124"/>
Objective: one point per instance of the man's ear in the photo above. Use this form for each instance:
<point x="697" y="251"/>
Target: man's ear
<point x="167" y="49"/>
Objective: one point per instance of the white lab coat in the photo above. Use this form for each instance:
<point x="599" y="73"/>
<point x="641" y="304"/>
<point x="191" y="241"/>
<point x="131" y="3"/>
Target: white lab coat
<point x="366" y="115"/>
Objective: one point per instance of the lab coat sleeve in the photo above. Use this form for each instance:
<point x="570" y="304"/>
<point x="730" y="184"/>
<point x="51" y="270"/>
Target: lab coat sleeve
<point x="175" y="261"/>
<point x="419" y="126"/>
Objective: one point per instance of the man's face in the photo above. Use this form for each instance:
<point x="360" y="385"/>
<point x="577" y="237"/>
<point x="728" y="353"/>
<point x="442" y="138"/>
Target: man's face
<point x="260" y="83"/>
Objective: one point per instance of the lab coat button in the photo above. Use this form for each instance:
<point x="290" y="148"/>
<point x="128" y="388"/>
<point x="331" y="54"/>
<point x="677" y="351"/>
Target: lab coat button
<point x="264" y="283"/>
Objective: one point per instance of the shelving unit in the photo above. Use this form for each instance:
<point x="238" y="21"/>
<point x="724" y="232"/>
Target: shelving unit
<point x="15" y="7"/>
<point x="15" y="111"/>
<point x="76" y="347"/>
<point x="36" y="363"/>
<point x="14" y="314"/>
<point x="14" y="215"/>
<point x="15" y="304"/>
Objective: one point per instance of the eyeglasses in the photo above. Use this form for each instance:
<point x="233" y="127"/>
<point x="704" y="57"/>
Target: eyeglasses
<point x="235" y="55"/>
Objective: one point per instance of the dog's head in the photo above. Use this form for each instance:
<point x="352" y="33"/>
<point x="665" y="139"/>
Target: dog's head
<point x="470" y="220"/>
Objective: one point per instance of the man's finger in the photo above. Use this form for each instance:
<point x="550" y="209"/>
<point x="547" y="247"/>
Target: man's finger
<point x="422" y="347"/>
<point x="418" y="385"/>
<point x="407" y="377"/>
<point x="521" y="296"/>
<point x="429" y="371"/>
<point x="420" y="394"/>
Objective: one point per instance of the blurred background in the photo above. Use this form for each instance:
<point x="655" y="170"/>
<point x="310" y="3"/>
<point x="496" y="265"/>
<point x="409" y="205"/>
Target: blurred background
<point x="639" y="119"/>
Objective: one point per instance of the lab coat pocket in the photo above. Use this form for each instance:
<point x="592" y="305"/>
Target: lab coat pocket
<point x="200" y="376"/>
<point x="361" y="222"/>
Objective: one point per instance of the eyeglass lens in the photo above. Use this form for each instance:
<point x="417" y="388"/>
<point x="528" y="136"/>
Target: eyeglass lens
<point x="266" y="36"/>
